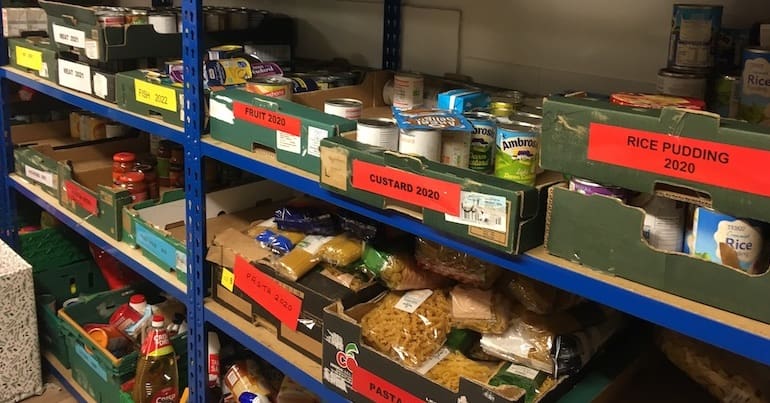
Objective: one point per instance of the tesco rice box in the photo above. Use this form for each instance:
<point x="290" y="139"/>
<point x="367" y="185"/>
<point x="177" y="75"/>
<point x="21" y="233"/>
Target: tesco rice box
<point x="730" y="241"/>
<point x="462" y="100"/>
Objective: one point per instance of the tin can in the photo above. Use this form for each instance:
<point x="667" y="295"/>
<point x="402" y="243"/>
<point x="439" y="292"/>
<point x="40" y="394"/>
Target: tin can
<point x="483" y="137"/>
<point x="164" y="23"/>
<point x="516" y="158"/>
<point x="110" y="17"/>
<point x="733" y="242"/>
<point x="227" y="71"/>
<point x="501" y="109"/>
<point x="326" y="82"/>
<point x="694" y="34"/>
<point x="682" y="84"/>
<point x="526" y="112"/>
<point x="304" y="84"/>
<point x="755" y="87"/>
<point x="381" y="132"/>
<point x="663" y="226"/>
<point x="730" y="47"/>
<point x="137" y="17"/>
<point x="725" y="97"/>
<point x="224" y="52"/>
<point x="347" y="108"/>
<point x="649" y="101"/>
<point x="237" y="19"/>
<point x="408" y="90"/>
<point x="512" y="97"/>
<point x="587" y="187"/>
<point x="456" y="148"/>
<point x="426" y="143"/>
<point x="275" y="87"/>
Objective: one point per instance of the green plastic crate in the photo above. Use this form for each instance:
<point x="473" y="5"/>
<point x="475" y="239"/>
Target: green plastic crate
<point x="94" y="368"/>
<point x="52" y="336"/>
<point x="53" y="247"/>
<point x="73" y="280"/>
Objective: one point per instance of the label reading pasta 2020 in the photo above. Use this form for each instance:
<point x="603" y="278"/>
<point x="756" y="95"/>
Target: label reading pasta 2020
<point x="412" y="300"/>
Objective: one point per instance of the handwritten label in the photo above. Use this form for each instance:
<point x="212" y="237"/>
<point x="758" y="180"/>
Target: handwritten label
<point x="711" y="163"/>
<point x="419" y="190"/>
<point x="267" y="118"/>
<point x="82" y="198"/>
<point x="158" y="247"/>
<point x="31" y="59"/>
<point x="69" y="36"/>
<point x="378" y="389"/>
<point x="228" y="279"/>
<point x="288" y="142"/>
<point x="42" y="177"/>
<point x="314" y="137"/>
<point x="155" y="95"/>
<point x="267" y="292"/>
<point x="74" y="75"/>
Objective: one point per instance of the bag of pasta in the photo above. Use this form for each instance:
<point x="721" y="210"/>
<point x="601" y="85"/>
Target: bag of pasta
<point x="455" y="265"/>
<point x="302" y="258"/>
<point x="539" y="297"/>
<point x="535" y="383"/>
<point x="484" y="311"/>
<point x="726" y="376"/>
<point x="350" y="276"/>
<point x="342" y="250"/>
<point x="409" y="327"/>
<point x="452" y="365"/>
<point x="398" y="270"/>
<point x="267" y="234"/>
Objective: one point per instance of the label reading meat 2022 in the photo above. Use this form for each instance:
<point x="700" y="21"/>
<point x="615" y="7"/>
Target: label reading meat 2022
<point x="712" y="163"/>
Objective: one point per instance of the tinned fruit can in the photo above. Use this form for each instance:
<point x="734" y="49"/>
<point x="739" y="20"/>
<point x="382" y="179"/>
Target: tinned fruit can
<point x="483" y="136"/>
<point x="425" y="143"/>
<point x="274" y="87"/>
<point x="694" y="33"/>
<point x="516" y="158"/>
<point x="683" y="84"/>
<point x="347" y="108"/>
<point x="408" y="90"/>
<point x="381" y="132"/>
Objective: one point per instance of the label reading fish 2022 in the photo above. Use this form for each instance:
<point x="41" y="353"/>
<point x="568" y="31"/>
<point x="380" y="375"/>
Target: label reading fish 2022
<point x="708" y="162"/>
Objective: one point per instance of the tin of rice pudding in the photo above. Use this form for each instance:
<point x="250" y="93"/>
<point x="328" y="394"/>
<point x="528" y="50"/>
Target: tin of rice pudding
<point x="347" y="108"/>
<point x="663" y="222"/>
<point x="380" y="132"/>
<point x="586" y="187"/>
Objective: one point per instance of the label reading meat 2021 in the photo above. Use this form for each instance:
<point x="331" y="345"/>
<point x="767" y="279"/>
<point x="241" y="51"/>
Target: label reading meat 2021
<point x="712" y="163"/>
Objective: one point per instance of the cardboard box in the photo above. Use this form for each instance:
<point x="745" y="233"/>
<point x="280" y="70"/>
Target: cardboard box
<point x="360" y="373"/>
<point x="84" y="78"/>
<point x="645" y="150"/>
<point x="291" y="130"/>
<point x="435" y="193"/>
<point x="312" y="292"/>
<point x="136" y="94"/>
<point x="159" y="227"/>
<point x="38" y="148"/>
<point x="85" y="184"/>
<point x="616" y="247"/>
<point x="22" y="20"/>
<point x="33" y="55"/>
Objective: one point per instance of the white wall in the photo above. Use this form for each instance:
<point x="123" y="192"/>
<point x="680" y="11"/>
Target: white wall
<point x="536" y="45"/>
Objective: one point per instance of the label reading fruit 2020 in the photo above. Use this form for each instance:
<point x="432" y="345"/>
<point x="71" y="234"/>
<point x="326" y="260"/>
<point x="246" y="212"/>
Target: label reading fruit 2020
<point x="723" y="165"/>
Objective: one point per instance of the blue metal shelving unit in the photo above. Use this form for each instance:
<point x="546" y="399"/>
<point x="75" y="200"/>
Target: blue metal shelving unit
<point x="740" y="335"/>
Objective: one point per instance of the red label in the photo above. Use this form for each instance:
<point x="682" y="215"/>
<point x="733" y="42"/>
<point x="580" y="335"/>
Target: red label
<point x="81" y="197"/>
<point x="267" y="292"/>
<point x="379" y="390"/>
<point x="722" y="165"/>
<point x="415" y="189"/>
<point x="165" y="395"/>
<point x="267" y="118"/>
<point x="213" y="369"/>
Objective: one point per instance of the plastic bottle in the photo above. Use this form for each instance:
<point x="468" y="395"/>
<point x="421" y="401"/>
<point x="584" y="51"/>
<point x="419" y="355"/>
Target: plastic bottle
<point x="128" y="314"/>
<point x="157" y="377"/>
<point x="213" y="350"/>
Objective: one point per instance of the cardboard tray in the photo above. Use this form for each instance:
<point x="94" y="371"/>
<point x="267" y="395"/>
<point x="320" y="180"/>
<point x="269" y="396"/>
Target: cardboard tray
<point x="29" y="55"/>
<point x="38" y="148"/>
<point x="163" y="101"/>
<point x="694" y="152"/>
<point x="615" y="246"/>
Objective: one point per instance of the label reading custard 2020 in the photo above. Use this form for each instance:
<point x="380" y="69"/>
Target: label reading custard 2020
<point x="723" y="165"/>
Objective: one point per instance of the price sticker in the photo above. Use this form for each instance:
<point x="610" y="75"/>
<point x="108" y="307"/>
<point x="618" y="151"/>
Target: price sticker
<point x="31" y="59"/>
<point x="228" y="279"/>
<point x="267" y="292"/>
<point x="155" y="95"/>
<point x="415" y="189"/>
<point x="723" y="165"/>
<point x="82" y="198"/>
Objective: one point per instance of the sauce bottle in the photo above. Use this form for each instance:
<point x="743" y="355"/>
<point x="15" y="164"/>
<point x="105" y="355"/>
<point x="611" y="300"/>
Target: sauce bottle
<point x="157" y="377"/>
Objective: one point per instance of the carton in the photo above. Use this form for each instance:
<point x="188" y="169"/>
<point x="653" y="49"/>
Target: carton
<point x="615" y="246"/>
<point x="158" y="227"/>
<point x="31" y="55"/>
<point x="691" y="152"/>
<point x="435" y="194"/>
<point x="165" y="101"/>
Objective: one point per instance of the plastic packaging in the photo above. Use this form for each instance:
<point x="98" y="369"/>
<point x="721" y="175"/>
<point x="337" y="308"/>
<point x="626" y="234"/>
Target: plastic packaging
<point x="484" y="311"/>
<point x="409" y="326"/>
<point x="302" y="258"/>
<point x="244" y="376"/>
<point x="357" y="225"/>
<point x="539" y="297"/>
<point x="350" y="276"/>
<point x="342" y="250"/>
<point x="127" y="315"/>
<point x="157" y="378"/>
<point x="308" y="220"/>
<point x="455" y="265"/>
<point x="447" y="372"/>
<point x="535" y="383"/>
<point x="399" y="271"/>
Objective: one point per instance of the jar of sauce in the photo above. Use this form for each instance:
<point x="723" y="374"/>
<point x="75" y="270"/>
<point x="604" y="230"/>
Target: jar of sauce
<point x="122" y="163"/>
<point x="150" y="178"/>
<point x="134" y="183"/>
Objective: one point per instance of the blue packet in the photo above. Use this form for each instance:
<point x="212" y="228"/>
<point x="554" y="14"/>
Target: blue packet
<point x="431" y="119"/>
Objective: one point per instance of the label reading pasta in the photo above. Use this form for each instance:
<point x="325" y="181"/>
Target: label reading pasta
<point x="267" y="292"/>
<point x="379" y="390"/>
<point x="522" y="371"/>
<point x="412" y="300"/>
<point x="432" y="361"/>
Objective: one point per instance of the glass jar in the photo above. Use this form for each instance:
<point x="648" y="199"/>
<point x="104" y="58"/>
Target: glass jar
<point x="134" y="183"/>
<point x="122" y="163"/>
<point x="150" y="178"/>
<point x="164" y="154"/>
<point x="176" y="167"/>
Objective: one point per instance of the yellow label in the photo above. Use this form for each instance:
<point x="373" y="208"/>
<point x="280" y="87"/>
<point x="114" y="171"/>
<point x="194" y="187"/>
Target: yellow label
<point x="155" y="95"/>
<point x="31" y="59"/>
<point x="165" y="350"/>
<point x="228" y="279"/>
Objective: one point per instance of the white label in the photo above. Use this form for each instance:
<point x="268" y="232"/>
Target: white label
<point x="181" y="107"/>
<point x="756" y="77"/>
<point x="92" y="49"/>
<point x="288" y="142"/>
<point x="46" y="178"/>
<point x="181" y="261"/>
<point x="412" y="300"/>
<point x="314" y="137"/>
<point x="75" y="76"/>
<point x="69" y="36"/>
<point x="523" y="371"/>
<point x="695" y="30"/>
<point x="481" y="210"/>
<point x="44" y="70"/>
<point x="433" y="360"/>
<point x="219" y="111"/>
<point x="312" y="243"/>
<point x="268" y="223"/>
<point x="100" y="85"/>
